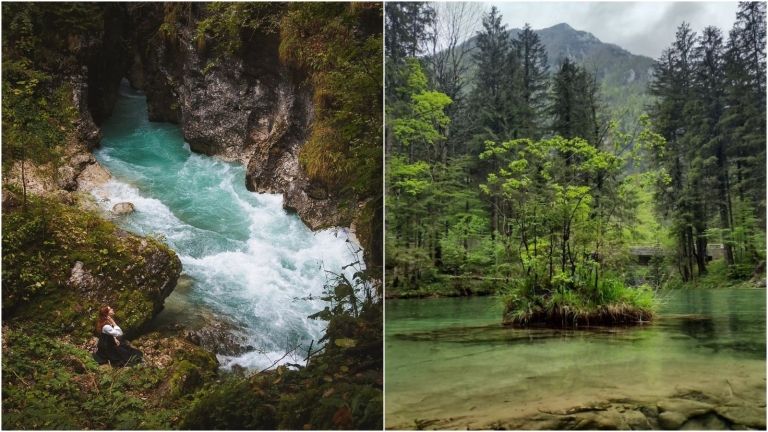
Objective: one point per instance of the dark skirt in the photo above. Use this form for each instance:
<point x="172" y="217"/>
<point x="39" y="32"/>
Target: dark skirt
<point x="116" y="355"/>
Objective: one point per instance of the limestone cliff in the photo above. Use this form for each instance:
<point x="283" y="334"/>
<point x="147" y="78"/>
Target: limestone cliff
<point x="245" y="107"/>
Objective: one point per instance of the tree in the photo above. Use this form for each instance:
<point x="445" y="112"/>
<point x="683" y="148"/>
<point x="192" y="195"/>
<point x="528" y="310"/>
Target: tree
<point x="493" y="98"/>
<point x="550" y="224"/>
<point x="421" y="128"/>
<point x="448" y="59"/>
<point x="533" y="81"/>
<point x="574" y="104"/>
<point x="706" y="109"/>
<point x="681" y="197"/>
<point x="744" y="114"/>
<point x="407" y="25"/>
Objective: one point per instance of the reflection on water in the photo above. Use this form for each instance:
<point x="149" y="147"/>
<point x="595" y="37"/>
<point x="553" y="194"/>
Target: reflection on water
<point x="450" y="357"/>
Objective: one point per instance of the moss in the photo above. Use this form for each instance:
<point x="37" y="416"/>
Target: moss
<point x="199" y="357"/>
<point x="186" y="377"/>
<point x="234" y="404"/>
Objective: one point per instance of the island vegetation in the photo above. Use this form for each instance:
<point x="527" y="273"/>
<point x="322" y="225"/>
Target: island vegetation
<point x="513" y="175"/>
<point x="62" y="259"/>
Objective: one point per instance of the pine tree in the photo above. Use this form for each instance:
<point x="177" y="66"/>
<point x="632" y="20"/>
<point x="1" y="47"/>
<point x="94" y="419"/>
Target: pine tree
<point x="680" y="196"/>
<point x="706" y="109"/>
<point x="745" y="113"/>
<point x="574" y="104"/>
<point x="493" y="98"/>
<point x="533" y="81"/>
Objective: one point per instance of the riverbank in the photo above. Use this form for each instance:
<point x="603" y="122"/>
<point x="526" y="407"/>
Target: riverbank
<point x="448" y="286"/>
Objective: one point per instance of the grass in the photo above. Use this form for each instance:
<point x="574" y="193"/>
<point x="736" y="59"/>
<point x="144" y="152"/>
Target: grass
<point x="612" y="303"/>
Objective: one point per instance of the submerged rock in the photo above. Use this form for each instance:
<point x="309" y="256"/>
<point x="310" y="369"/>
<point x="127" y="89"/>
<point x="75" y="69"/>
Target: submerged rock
<point x="686" y="407"/>
<point x="671" y="420"/>
<point x="745" y="415"/>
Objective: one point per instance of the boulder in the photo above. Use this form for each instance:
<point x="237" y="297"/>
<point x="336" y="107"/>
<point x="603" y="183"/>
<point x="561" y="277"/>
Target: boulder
<point x="81" y="279"/>
<point x="636" y="420"/>
<point x="219" y="338"/>
<point x="669" y="420"/>
<point x="67" y="178"/>
<point x="92" y="176"/>
<point x="123" y="208"/>
<point x="686" y="407"/>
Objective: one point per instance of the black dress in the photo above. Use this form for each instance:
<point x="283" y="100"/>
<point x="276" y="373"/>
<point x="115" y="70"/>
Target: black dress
<point x="107" y="351"/>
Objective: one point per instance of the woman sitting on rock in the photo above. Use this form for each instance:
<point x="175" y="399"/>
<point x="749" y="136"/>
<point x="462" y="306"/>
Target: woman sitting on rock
<point x="111" y="347"/>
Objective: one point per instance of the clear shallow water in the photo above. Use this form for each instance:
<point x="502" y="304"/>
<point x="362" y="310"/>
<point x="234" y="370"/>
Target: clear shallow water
<point x="450" y="358"/>
<point x="244" y="258"/>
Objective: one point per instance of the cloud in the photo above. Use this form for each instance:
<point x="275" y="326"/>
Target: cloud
<point x="640" y="27"/>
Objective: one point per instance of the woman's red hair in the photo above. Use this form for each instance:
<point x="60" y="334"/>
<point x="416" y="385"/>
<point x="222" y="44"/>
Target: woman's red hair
<point x="103" y="318"/>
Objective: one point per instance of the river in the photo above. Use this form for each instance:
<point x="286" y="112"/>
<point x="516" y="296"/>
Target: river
<point x="449" y="364"/>
<point x="245" y="260"/>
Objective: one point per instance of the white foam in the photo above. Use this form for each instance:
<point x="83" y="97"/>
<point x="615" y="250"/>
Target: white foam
<point x="267" y="284"/>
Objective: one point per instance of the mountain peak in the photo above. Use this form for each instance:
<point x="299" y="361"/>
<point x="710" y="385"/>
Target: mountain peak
<point x="561" y="26"/>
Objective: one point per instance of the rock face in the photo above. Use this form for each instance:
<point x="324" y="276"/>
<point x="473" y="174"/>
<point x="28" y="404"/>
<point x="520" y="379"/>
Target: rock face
<point x="247" y="107"/>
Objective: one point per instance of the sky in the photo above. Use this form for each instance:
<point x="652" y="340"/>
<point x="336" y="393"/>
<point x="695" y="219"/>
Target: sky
<point x="640" y="27"/>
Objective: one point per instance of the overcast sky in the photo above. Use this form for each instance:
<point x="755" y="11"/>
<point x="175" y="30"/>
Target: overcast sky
<point x="639" y="27"/>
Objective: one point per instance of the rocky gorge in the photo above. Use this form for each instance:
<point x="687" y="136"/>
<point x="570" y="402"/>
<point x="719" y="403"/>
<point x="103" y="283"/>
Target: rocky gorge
<point x="63" y="256"/>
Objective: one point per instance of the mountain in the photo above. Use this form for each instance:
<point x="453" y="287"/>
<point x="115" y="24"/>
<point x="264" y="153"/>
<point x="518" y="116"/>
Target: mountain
<point x="611" y="63"/>
<point x="623" y="76"/>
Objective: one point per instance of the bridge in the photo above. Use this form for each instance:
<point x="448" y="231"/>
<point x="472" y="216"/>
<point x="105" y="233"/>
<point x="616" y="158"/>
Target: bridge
<point x="644" y="253"/>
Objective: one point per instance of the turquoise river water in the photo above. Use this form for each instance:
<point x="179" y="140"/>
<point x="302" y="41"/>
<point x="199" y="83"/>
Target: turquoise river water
<point x="245" y="260"/>
<point x="450" y="360"/>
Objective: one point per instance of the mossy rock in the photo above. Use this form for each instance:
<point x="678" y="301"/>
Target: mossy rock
<point x="61" y="263"/>
<point x="199" y="357"/>
<point x="185" y="378"/>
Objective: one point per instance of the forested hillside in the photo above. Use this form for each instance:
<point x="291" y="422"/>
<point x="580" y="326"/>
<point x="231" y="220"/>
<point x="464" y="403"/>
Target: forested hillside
<point x="509" y="174"/>
<point x="623" y="77"/>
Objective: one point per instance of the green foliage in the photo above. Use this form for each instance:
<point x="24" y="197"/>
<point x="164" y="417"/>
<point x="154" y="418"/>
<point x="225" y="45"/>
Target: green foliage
<point x="424" y="120"/>
<point x="228" y="25"/>
<point x="51" y="384"/>
<point x="710" y="108"/>
<point x="339" y="47"/>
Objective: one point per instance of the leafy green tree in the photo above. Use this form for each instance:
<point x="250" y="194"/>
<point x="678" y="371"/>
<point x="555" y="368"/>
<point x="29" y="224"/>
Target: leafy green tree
<point x="421" y="128"/>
